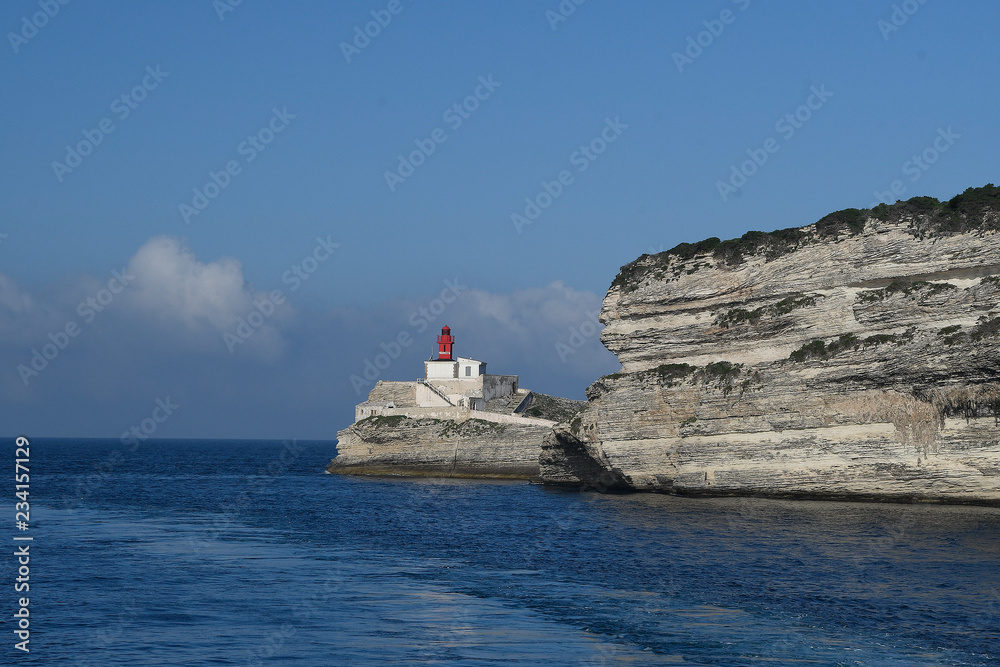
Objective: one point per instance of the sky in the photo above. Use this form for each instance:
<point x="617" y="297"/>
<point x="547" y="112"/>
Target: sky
<point x="236" y="216"/>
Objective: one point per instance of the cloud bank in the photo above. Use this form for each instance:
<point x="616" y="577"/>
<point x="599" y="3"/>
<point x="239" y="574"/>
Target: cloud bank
<point x="92" y="355"/>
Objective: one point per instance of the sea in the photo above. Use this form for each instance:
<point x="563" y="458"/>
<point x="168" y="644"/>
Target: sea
<point x="225" y="552"/>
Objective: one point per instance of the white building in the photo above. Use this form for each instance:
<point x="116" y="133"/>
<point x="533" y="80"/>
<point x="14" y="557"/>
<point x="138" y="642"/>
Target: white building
<point x="459" y="369"/>
<point x="449" y="383"/>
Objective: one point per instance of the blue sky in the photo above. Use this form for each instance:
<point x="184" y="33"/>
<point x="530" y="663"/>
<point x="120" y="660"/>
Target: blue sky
<point x="874" y="84"/>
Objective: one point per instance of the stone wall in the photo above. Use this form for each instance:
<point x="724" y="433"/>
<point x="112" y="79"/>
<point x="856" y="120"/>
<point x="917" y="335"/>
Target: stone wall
<point x="403" y="394"/>
<point x="459" y="414"/>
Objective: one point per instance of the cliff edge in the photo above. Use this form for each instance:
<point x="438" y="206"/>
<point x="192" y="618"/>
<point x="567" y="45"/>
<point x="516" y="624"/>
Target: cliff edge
<point x="856" y="357"/>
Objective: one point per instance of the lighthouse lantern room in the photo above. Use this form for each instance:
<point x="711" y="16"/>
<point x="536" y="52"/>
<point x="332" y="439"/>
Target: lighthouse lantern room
<point x="445" y="342"/>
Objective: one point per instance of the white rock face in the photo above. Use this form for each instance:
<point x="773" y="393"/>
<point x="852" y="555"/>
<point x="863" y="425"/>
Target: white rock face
<point x="399" y="445"/>
<point x="859" y="365"/>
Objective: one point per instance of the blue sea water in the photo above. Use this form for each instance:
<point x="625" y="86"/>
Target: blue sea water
<point x="247" y="553"/>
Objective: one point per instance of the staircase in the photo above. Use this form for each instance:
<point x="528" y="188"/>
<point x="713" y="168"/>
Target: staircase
<point x="438" y="392"/>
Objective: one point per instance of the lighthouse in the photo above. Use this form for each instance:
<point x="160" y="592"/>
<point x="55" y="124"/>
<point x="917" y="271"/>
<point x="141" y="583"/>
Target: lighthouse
<point x="447" y="366"/>
<point x="445" y="341"/>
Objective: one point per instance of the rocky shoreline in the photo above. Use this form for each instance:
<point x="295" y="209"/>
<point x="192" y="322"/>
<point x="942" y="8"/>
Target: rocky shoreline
<point x="451" y="442"/>
<point x="855" y="359"/>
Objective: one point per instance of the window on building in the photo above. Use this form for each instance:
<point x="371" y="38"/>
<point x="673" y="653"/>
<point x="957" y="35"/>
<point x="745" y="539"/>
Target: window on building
<point x="468" y="370"/>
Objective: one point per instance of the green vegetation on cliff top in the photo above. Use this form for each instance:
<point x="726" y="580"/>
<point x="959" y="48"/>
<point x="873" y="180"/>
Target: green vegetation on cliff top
<point x="928" y="216"/>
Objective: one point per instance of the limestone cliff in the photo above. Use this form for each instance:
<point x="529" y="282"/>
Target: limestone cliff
<point x="856" y="357"/>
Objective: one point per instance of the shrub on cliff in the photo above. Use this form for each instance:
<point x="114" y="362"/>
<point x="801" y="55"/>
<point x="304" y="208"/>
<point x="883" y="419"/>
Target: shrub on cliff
<point x="974" y="209"/>
<point x="670" y="374"/>
<point x="849" y="220"/>
<point x="769" y="244"/>
<point x="970" y="402"/>
<point x="738" y="316"/>
<point x="686" y="251"/>
<point x="986" y="328"/>
<point x="905" y="288"/>
<point x="914" y="206"/>
<point x="816" y="348"/>
<point x="976" y="201"/>
<point x="820" y="349"/>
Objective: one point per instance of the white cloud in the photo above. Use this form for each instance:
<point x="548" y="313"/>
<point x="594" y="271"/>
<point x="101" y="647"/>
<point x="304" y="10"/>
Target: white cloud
<point x="24" y="317"/>
<point x="11" y="296"/>
<point x="536" y="311"/>
<point x="174" y="286"/>
<point x="172" y="283"/>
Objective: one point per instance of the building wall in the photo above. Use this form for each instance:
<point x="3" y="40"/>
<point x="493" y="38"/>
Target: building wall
<point x="440" y="370"/>
<point x="369" y="409"/>
<point x="470" y="368"/>
<point x="498" y="386"/>
<point x="459" y="386"/>
<point x="470" y="393"/>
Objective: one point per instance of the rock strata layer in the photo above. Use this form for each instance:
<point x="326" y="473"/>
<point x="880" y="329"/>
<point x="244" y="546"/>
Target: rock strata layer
<point x="853" y="358"/>
<point x="400" y="445"/>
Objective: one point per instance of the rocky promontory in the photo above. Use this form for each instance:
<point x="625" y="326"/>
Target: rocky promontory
<point x="401" y="445"/>
<point x="501" y="441"/>
<point x="856" y="357"/>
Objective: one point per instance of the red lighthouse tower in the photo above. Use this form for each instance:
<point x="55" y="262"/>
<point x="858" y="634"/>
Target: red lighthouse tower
<point x="445" y="341"/>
